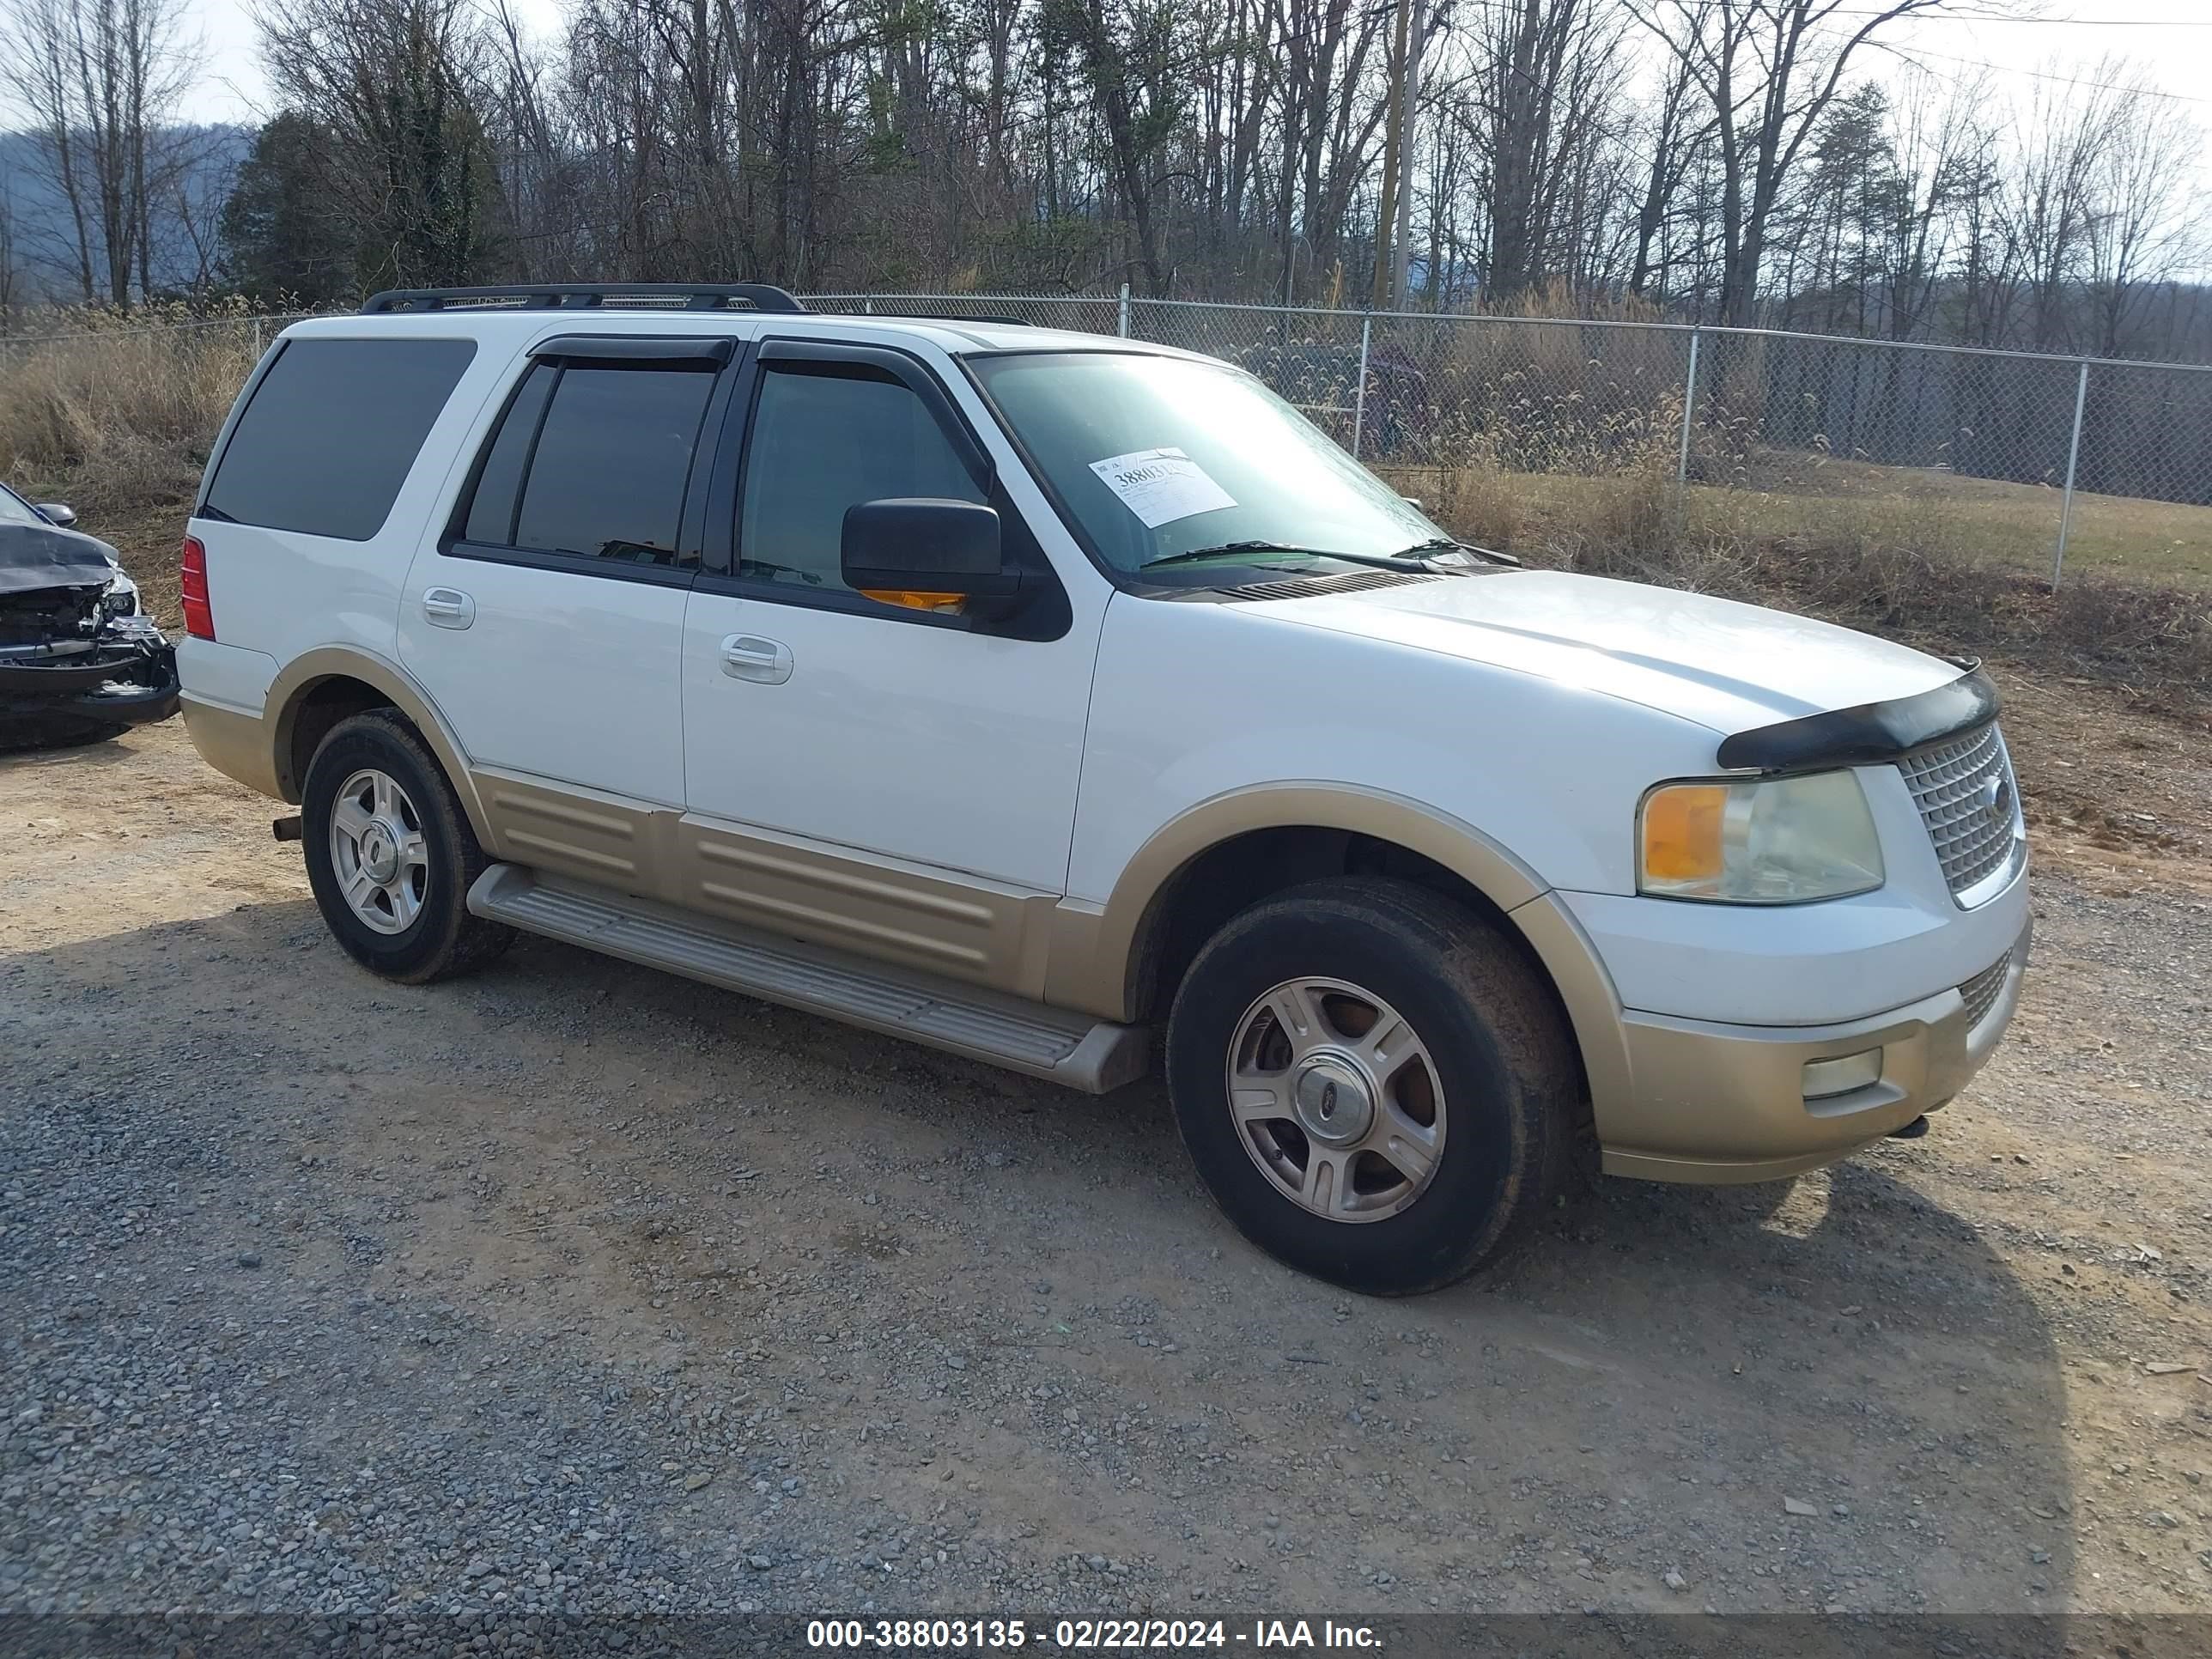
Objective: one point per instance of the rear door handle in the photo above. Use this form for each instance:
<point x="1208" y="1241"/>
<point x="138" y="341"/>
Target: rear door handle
<point x="448" y="607"/>
<point x="749" y="657"/>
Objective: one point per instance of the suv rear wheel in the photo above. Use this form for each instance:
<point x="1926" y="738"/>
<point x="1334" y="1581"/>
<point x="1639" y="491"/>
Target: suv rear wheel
<point x="391" y="855"/>
<point x="1373" y="1084"/>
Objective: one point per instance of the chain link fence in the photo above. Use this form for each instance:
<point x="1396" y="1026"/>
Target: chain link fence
<point x="2030" y="459"/>
<point x="1518" y="428"/>
<point x="204" y="333"/>
<point x="2012" y="455"/>
<point x="1085" y="313"/>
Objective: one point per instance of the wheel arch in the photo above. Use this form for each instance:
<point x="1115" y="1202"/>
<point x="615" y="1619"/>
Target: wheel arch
<point x="1122" y="960"/>
<point x="319" y="688"/>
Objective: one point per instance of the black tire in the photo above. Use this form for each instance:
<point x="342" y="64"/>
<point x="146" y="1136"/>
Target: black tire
<point x="443" y="939"/>
<point x="1502" y="1054"/>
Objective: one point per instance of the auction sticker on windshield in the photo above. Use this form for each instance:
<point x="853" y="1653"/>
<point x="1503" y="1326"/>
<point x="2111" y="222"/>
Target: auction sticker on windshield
<point x="1162" y="485"/>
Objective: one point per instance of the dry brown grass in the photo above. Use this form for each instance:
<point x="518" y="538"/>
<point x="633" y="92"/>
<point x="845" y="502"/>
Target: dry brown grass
<point x="120" y="419"/>
<point x="2011" y="524"/>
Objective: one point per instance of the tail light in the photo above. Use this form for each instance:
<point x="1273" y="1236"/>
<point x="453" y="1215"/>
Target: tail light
<point x="192" y="589"/>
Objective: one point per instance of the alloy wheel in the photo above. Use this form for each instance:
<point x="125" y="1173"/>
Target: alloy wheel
<point x="377" y="850"/>
<point x="1336" y="1098"/>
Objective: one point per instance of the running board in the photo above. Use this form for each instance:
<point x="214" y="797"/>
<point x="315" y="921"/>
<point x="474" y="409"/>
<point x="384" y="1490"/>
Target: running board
<point x="1094" y="1055"/>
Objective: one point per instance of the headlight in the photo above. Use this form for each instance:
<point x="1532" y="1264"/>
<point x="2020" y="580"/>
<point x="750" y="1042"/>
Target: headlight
<point x="1766" y="840"/>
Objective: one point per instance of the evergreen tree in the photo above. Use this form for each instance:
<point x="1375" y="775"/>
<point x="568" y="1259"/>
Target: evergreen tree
<point x="282" y="244"/>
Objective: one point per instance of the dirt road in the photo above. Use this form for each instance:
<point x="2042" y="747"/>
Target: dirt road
<point x="575" y="1286"/>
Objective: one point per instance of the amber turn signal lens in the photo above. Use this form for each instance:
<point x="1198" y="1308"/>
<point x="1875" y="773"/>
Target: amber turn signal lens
<point x="1682" y="832"/>
<point x="1760" y="840"/>
<point x="912" y="600"/>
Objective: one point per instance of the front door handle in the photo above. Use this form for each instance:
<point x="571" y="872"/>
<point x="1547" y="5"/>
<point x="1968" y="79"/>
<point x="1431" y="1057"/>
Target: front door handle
<point x="448" y="607"/>
<point x="749" y="657"/>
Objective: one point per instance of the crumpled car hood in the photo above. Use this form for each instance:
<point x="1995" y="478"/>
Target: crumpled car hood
<point x="37" y="555"/>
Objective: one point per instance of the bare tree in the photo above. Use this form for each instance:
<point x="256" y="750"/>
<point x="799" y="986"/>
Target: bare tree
<point x="11" y="272"/>
<point x="1768" y="70"/>
<point x="1125" y="52"/>
<point x="193" y="189"/>
<point x="1546" y="74"/>
<point x="1933" y="141"/>
<point x="2044" y="208"/>
<point x="400" y="86"/>
<point x="1766" y="167"/>
<point x="101" y="82"/>
<point x="2142" y="228"/>
<point x="1669" y="140"/>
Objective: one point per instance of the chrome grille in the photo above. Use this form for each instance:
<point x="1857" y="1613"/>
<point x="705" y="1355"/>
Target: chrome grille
<point x="1982" y="991"/>
<point x="1965" y="790"/>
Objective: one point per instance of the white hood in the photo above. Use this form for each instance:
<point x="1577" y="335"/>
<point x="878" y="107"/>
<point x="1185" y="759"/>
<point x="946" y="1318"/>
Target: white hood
<point x="1726" y="666"/>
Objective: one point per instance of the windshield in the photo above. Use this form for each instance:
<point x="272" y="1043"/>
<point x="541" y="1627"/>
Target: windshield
<point x="13" y="509"/>
<point x="1158" y="456"/>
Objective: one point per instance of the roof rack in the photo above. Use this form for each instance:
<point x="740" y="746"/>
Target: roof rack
<point x="997" y="318"/>
<point x="586" y="296"/>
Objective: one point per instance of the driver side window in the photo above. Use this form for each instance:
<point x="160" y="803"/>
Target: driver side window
<point x="825" y="438"/>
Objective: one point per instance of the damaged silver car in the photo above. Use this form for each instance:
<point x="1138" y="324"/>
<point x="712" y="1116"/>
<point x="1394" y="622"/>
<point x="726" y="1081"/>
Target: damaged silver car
<point x="79" y="657"/>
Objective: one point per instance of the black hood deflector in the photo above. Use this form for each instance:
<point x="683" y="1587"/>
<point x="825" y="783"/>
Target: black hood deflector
<point x="1871" y="734"/>
<point x="35" y="556"/>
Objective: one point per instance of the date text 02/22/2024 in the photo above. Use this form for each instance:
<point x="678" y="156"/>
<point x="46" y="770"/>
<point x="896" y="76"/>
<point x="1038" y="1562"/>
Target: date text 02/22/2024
<point x="1087" y="1635"/>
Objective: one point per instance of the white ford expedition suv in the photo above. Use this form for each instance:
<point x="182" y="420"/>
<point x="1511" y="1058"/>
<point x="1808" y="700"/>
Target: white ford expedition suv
<point x="1067" y="701"/>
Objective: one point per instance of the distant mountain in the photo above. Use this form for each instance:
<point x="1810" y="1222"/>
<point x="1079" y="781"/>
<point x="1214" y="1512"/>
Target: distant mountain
<point x="44" y="238"/>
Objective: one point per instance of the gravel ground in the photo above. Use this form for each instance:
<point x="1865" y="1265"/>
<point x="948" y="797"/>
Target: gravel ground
<point x="577" y="1289"/>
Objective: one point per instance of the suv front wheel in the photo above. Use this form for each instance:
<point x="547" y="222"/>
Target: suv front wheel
<point x="391" y="855"/>
<point x="1373" y="1084"/>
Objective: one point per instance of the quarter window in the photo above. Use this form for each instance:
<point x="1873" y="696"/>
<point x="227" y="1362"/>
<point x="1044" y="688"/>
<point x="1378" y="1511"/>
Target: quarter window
<point x="593" y="461"/>
<point x="822" y="443"/>
<point x="332" y="432"/>
<point x="498" y="486"/>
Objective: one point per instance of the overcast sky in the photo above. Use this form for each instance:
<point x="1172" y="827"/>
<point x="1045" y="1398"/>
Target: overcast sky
<point x="2172" y="38"/>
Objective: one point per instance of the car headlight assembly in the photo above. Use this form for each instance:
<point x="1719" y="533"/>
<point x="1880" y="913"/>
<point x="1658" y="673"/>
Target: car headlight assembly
<point x="1760" y="840"/>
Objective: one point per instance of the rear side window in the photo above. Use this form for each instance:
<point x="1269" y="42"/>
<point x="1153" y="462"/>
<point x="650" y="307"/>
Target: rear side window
<point x="332" y="432"/>
<point x="592" y="460"/>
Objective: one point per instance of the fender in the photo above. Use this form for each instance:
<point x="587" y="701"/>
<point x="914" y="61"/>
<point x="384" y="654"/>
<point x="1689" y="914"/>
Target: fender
<point x="1095" y="952"/>
<point x="328" y="662"/>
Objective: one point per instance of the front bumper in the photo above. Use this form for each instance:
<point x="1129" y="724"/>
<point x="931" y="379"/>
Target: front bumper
<point x="1719" y="1103"/>
<point x="121" y="685"/>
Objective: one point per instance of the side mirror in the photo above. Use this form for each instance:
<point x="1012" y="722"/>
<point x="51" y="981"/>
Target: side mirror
<point x="58" y="514"/>
<point x="925" y="552"/>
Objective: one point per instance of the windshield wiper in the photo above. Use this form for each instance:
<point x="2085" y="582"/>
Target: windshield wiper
<point x="1222" y="548"/>
<point x="1439" y="544"/>
<point x="1408" y="561"/>
<point x="1417" y="558"/>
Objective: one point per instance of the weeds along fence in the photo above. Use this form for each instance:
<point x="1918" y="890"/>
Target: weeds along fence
<point x="1504" y="419"/>
<point x="129" y="408"/>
